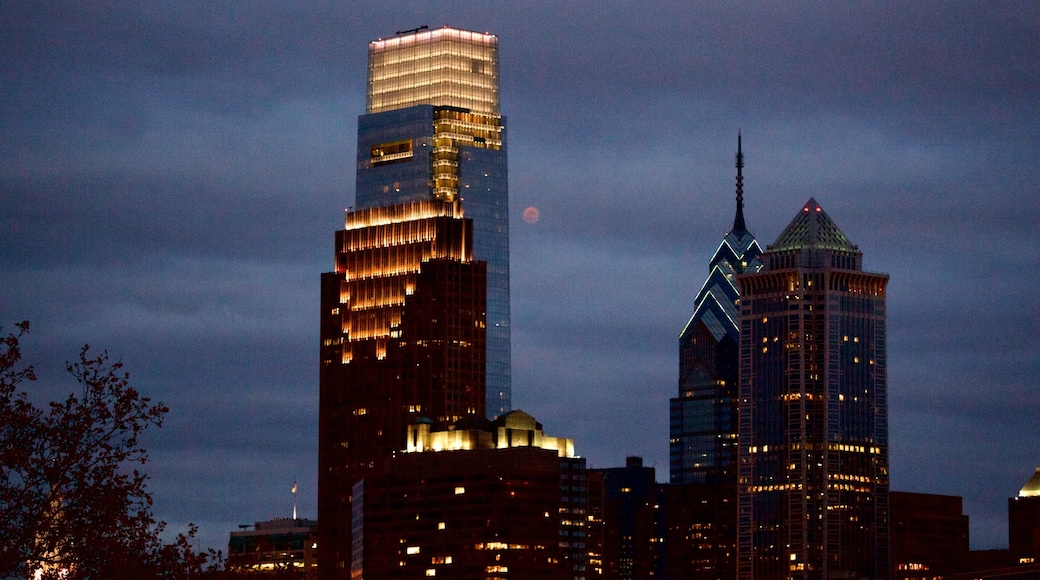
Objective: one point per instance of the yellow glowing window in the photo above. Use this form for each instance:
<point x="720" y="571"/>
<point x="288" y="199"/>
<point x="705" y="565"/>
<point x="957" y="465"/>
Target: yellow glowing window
<point x="412" y="550"/>
<point x="460" y="490"/>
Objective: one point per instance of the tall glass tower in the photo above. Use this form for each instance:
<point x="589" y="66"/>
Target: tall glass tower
<point x="702" y="510"/>
<point x="812" y="499"/>
<point x="703" y="418"/>
<point x="433" y="130"/>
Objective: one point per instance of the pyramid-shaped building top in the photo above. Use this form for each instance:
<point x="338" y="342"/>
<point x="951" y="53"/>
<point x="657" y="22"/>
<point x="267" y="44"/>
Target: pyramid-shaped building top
<point x="812" y="228"/>
<point x="1032" y="487"/>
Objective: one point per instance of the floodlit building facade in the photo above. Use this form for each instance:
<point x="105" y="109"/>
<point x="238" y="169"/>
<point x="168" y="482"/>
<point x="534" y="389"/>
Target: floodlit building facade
<point x="813" y="426"/>
<point x="402" y="337"/>
<point x="475" y="499"/>
<point x="433" y="129"/>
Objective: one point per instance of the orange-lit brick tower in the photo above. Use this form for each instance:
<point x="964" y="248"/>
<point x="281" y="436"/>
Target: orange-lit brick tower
<point x="402" y="337"/>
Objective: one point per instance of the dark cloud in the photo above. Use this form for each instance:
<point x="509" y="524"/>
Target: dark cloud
<point x="171" y="175"/>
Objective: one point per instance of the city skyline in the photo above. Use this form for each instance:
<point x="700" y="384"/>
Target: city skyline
<point x="171" y="175"/>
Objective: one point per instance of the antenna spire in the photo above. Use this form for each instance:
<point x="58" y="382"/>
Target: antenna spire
<point x="738" y="221"/>
<point x="294" y="500"/>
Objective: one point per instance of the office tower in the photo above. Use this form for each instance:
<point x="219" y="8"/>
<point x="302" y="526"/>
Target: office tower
<point x="703" y="418"/>
<point x="633" y="519"/>
<point x="474" y="499"/>
<point x="929" y="535"/>
<point x="433" y="130"/>
<point x="402" y="337"/>
<point x="1024" y="522"/>
<point x="283" y="546"/>
<point x="812" y="497"/>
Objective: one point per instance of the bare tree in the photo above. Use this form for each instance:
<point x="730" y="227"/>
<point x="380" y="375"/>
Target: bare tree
<point x="73" y="499"/>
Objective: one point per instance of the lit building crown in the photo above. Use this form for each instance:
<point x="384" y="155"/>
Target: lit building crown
<point x="441" y="67"/>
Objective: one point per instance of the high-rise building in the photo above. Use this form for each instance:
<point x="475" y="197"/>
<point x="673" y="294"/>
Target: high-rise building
<point x="433" y="129"/>
<point x="402" y="337"/>
<point x="812" y="494"/>
<point x="474" y="499"/>
<point x="703" y="418"/>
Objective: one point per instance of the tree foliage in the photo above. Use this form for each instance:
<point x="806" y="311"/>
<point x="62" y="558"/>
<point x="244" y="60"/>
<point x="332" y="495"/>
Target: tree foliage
<point x="73" y="499"/>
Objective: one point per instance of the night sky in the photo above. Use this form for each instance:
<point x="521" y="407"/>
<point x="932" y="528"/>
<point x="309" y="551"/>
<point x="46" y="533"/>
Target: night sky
<point x="172" y="174"/>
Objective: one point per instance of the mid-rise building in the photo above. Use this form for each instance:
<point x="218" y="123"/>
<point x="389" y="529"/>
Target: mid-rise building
<point x="474" y="499"/>
<point x="433" y="130"/>
<point x="633" y="521"/>
<point x="929" y="536"/>
<point x="281" y="547"/>
<point x="812" y="498"/>
<point x="402" y="337"/>
<point x="1024" y="522"/>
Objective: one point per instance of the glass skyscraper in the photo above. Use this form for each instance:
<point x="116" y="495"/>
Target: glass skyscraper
<point x="812" y="499"/>
<point x="703" y="418"/>
<point x="433" y="130"/>
<point x="702" y="500"/>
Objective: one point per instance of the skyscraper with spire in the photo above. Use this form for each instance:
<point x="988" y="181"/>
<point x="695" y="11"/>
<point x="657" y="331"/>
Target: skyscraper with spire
<point x="703" y="417"/>
<point x="813" y="482"/>
<point x="703" y="428"/>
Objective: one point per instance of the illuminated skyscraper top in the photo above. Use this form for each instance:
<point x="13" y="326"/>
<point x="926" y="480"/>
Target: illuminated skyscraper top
<point x="433" y="130"/>
<point x="441" y="67"/>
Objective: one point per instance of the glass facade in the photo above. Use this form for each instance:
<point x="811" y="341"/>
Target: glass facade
<point x="703" y="430"/>
<point x="703" y="418"/>
<point x="434" y="131"/>
<point x="813" y="427"/>
<point x="444" y="66"/>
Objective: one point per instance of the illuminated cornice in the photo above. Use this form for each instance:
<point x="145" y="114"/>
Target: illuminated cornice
<point x="418" y="210"/>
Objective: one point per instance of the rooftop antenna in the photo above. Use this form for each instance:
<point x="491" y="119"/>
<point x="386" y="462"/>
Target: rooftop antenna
<point x="738" y="221"/>
<point x="294" y="500"/>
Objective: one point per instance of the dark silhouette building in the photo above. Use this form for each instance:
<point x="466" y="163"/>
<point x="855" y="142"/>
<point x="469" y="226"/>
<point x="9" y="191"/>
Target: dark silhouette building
<point x="1024" y="522"/>
<point x="813" y="461"/>
<point x="402" y="337"/>
<point x="702" y="500"/>
<point x="634" y="526"/>
<point x="433" y="129"/>
<point x="473" y="500"/>
<point x="929" y="535"/>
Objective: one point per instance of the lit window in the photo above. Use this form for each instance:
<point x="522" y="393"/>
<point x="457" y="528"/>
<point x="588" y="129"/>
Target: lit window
<point x="440" y="525"/>
<point x="412" y="550"/>
<point x="460" y="490"/>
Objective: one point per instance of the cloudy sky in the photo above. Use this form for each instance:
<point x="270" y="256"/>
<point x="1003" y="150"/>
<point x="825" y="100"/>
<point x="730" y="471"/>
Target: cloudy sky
<point x="171" y="175"/>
